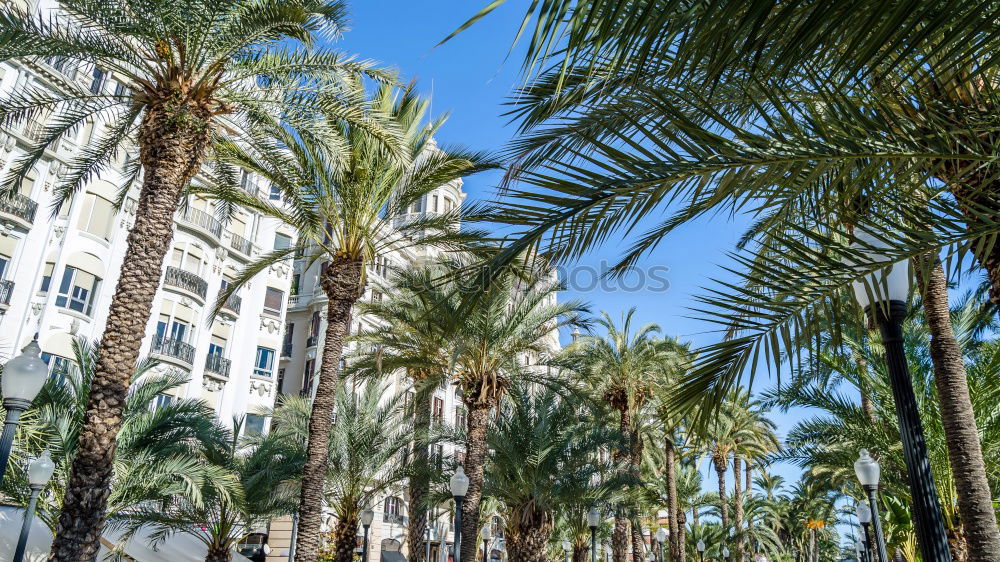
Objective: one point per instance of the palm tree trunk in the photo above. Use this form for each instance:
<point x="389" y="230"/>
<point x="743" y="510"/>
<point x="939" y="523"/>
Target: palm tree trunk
<point x="673" y="510"/>
<point x="681" y="532"/>
<point x="346" y="541"/>
<point x="958" y="418"/>
<point x="620" y="539"/>
<point x="341" y="281"/>
<point x="738" y="503"/>
<point x="171" y="150"/>
<point x="528" y="543"/>
<point x="581" y="552"/>
<point x="720" y="470"/>
<point x="749" y="491"/>
<point x="218" y="553"/>
<point x="477" y="423"/>
<point x="638" y="544"/>
<point x="419" y="482"/>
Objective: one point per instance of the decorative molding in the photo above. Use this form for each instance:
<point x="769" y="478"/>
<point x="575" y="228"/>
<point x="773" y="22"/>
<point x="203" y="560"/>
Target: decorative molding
<point x="262" y="388"/>
<point x="36" y="308"/>
<point x="212" y="384"/>
<point x="280" y="269"/>
<point x="272" y="325"/>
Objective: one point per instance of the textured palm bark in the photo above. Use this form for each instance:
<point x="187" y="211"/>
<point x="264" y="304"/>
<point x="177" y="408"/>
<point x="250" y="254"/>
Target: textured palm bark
<point x="620" y="534"/>
<point x="673" y="509"/>
<point x="581" y="552"/>
<point x="172" y="145"/>
<point x="975" y="198"/>
<point x="638" y="544"/>
<point x="419" y="484"/>
<point x="346" y="540"/>
<point x="218" y="553"/>
<point x="528" y="544"/>
<point x="477" y="424"/>
<point x="681" y="537"/>
<point x="341" y="282"/>
<point x="720" y="470"/>
<point x="957" y="544"/>
<point x="965" y="452"/>
<point x="738" y="504"/>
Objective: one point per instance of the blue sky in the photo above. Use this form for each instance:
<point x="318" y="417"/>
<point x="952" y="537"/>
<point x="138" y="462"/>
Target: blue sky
<point x="471" y="76"/>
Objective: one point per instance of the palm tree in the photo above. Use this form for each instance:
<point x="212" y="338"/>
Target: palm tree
<point x="345" y="195"/>
<point x="259" y="485"/>
<point x="540" y="458"/>
<point x="367" y="447"/>
<point x="755" y="439"/>
<point x="192" y="71"/>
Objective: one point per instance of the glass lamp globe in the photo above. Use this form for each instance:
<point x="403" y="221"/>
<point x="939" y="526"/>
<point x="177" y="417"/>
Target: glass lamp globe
<point x="701" y="546"/>
<point x="567" y="546"/>
<point x="24" y="375"/>
<point x="459" y="483"/>
<point x="661" y="535"/>
<point x="367" y="516"/>
<point x="864" y="513"/>
<point x="867" y="470"/>
<point x="40" y="470"/>
<point x="593" y="518"/>
<point x="890" y="284"/>
<point x="725" y="552"/>
<point x="486" y="533"/>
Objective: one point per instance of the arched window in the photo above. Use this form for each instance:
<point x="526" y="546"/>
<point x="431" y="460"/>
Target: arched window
<point x="392" y="510"/>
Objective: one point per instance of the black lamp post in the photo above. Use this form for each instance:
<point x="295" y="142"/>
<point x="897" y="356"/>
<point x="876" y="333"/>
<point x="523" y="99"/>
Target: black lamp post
<point x="459" y="486"/>
<point x="23" y="377"/>
<point x="862" y="550"/>
<point x="487" y="534"/>
<point x="593" y="520"/>
<point x="39" y="472"/>
<point x="883" y="296"/>
<point x="661" y="537"/>
<point x="868" y="472"/>
<point x="367" y="516"/>
<point x="865" y="518"/>
<point x="701" y="550"/>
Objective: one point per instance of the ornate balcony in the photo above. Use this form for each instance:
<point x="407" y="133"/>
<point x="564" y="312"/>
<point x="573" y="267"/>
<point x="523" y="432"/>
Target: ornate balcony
<point x="240" y="244"/>
<point x="6" y="288"/>
<point x="175" y="349"/>
<point x="286" y="349"/>
<point x="233" y="304"/>
<point x="218" y="365"/>
<point x="20" y="208"/>
<point x="185" y="280"/>
<point x="202" y="220"/>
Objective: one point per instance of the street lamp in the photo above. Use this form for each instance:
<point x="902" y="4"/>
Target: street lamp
<point x="861" y="549"/>
<point x="593" y="520"/>
<point x="661" y="537"/>
<point x="367" y="516"/>
<point x="725" y="553"/>
<point x="567" y="548"/>
<point x="701" y="550"/>
<point x="40" y="470"/>
<point x="23" y="377"/>
<point x="487" y="534"/>
<point x="459" y="486"/>
<point x="883" y="297"/>
<point x="868" y="472"/>
<point x="864" y="514"/>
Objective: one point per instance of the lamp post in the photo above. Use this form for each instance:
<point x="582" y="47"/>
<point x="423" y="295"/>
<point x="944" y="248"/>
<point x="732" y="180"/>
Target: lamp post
<point x="487" y="534"/>
<point x="459" y="486"/>
<point x="567" y="548"/>
<point x="725" y="553"/>
<point x="593" y="520"/>
<point x="429" y="528"/>
<point x="883" y="296"/>
<point x="23" y="377"/>
<point x="864" y="514"/>
<point x="367" y="516"/>
<point x="861" y="549"/>
<point x="661" y="537"/>
<point x="39" y="472"/>
<point x="701" y="550"/>
<point x="868" y="472"/>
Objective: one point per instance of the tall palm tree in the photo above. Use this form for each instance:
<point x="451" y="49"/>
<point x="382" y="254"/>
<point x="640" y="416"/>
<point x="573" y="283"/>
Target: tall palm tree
<point x="755" y="439"/>
<point x="367" y="449"/>
<point x="345" y="195"/>
<point x="193" y="70"/>
<point x="259" y="486"/>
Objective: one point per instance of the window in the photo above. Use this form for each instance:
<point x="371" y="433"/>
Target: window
<point x="46" y="277"/>
<point x="264" y="365"/>
<point x="313" y="330"/>
<point x="98" y="77"/>
<point x="437" y="410"/>
<point x="459" y="418"/>
<point x="121" y="89"/>
<point x="460" y="457"/>
<point x="295" y="284"/>
<point x="275" y="193"/>
<point x="281" y="380"/>
<point x="282" y="241"/>
<point x="272" y="301"/>
<point x="217" y="348"/>
<point x="436" y="206"/>
<point x="286" y="345"/>
<point x="437" y="456"/>
<point x="307" y="377"/>
<point x="58" y="366"/>
<point x="161" y="401"/>
<point x="97" y="216"/>
<point x="77" y="290"/>
<point x="392" y="510"/>
<point x="254" y="425"/>
<point x="4" y="262"/>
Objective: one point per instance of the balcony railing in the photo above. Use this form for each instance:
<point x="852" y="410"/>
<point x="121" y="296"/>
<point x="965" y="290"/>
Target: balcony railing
<point x="311" y="341"/>
<point x="286" y="349"/>
<point x="217" y="364"/>
<point x="19" y="206"/>
<point x="177" y="277"/>
<point x="240" y="244"/>
<point x="203" y="220"/>
<point x="233" y="303"/>
<point x="6" y="288"/>
<point x="174" y="348"/>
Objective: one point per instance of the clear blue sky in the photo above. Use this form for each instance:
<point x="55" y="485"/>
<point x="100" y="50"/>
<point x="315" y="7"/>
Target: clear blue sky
<point x="471" y="77"/>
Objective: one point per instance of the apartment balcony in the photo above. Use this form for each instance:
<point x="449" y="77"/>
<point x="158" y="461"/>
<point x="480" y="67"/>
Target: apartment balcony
<point x="202" y="222"/>
<point x="311" y="341"/>
<point x="6" y="289"/>
<point x="218" y="365"/>
<point x="286" y="349"/>
<point x="186" y="281"/>
<point x="174" y="349"/>
<point x="19" y="208"/>
<point x="33" y="130"/>
<point x="241" y="244"/>
<point x="233" y="304"/>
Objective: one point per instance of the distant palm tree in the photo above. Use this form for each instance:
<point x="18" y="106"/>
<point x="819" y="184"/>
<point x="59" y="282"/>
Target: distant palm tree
<point x="346" y="194"/>
<point x="194" y="73"/>
<point x="367" y="453"/>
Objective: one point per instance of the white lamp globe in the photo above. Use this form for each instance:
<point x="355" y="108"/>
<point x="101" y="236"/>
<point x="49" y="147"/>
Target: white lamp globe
<point x="701" y="546"/>
<point x="725" y="552"/>
<point x="367" y="516"/>
<point x="486" y="533"/>
<point x="867" y="470"/>
<point x="864" y="513"/>
<point x="661" y="535"/>
<point x="593" y="518"/>
<point x="24" y="375"/>
<point x="40" y="470"/>
<point x="459" y="483"/>
<point x="567" y="546"/>
<point x="889" y="284"/>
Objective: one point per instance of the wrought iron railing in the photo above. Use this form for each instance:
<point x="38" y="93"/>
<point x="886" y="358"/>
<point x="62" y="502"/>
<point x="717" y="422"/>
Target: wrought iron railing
<point x="286" y="349"/>
<point x="203" y="220"/>
<point x="19" y="206"/>
<point x="233" y="303"/>
<point x="240" y="244"/>
<point x="311" y="341"/>
<point x="6" y="288"/>
<point x="217" y="364"/>
<point x="174" y="348"/>
<point x="177" y="277"/>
